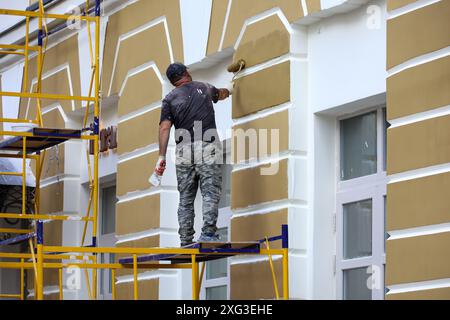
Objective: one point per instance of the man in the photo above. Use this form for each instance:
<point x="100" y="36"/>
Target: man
<point x="189" y="107"/>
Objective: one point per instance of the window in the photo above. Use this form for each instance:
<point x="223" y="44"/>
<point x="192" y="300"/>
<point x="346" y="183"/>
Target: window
<point x="358" y="229"/>
<point x="107" y="229"/>
<point x="109" y="200"/>
<point x="105" y="276"/>
<point x="360" y="212"/>
<point x="225" y="199"/>
<point x="355" y="287"/>
<point x="359" y="146"/>
<point x="217" y="275"/>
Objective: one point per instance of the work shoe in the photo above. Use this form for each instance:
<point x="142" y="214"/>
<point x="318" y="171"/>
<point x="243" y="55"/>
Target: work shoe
<point x="209" y="237"/>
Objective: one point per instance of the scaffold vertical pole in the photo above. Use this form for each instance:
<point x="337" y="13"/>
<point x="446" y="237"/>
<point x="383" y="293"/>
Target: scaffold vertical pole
<point x="96" y="135"/>
<point x="24" y="175"/>
<point x="22" y="280"/>
<point x="60" y="282"/>
<point x="200" y="280"/>
<point x="285" y="248"/>
<point x="194" y="278"/>
<point x="113" y="284"/>
<point x="37" y="190"/>
<point x="40" y="60"/>
<point x="25" y="70"/>
<point x="40" y="260"/>
<point x="135" y="278"/>
<point x="30" y="243"/>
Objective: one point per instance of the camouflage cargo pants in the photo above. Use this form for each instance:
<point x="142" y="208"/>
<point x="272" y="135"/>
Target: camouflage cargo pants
<point x="198" y="164"/>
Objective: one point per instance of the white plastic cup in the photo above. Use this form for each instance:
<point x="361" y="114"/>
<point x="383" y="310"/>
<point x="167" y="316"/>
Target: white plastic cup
<point x="155" y="179"/>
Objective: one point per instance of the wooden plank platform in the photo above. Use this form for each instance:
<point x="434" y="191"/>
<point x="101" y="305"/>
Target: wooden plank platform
<point x="43" y="138"/>
<point x="208" y="251"/>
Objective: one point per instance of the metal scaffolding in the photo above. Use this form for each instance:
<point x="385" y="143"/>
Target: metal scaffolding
<point x="32" y="145"/>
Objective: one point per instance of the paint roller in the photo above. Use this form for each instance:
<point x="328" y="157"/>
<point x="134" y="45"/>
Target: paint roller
<point x="235" y="68"/>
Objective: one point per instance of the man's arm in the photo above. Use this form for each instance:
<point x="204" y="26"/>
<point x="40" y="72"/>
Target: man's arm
<point x="223" y="94"/>
<point x="164" y="134"/>
<point x="217" y="94"/>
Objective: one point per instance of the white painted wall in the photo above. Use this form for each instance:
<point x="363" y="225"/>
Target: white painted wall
<point x="345" y="63"/>
<point x="84" y="53"/>
<point x="218" y="76"/>
<point x="347" y="60"/>
<point x="346" y="73"/>
<point x="323" y="168"/>
<point x="12" y="82"/>
<point x="7" y="21"/>
<point x="326" y="4"/>
<point x="195" y="20"/>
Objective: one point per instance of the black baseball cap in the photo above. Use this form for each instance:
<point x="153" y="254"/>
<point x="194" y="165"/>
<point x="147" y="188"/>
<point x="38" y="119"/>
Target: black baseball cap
<point x="175" y="70"/>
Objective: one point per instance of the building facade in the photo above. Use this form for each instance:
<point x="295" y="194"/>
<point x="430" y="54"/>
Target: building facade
<point x="338" y="126"/>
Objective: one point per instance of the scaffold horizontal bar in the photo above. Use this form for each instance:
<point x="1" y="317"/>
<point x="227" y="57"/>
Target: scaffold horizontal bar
<point x="18" y="174"/>
<point x="49" y="249"/>
<point x="17" y="231"/>
<point x="17" y="156"/>
<point x="33" y="14"/>
<point x="17" y="133"/>
<point x="65" y="252"/>
<point x="160" y="266"/>
<point x="272" y="239"/>
<point x="230" y="250"/>
<point x="7" y="255"/>
<point x="7" y="295"/>
<point x="16" y="265"/>
<point x="52" y="265"/>
<point x="273" y="252"/>
<point x="47" y="96"/>
<point x="19" y="47"/>
<point x="12" y="52"/>
<point x="113" y="266"/>
<point x="84" y="137"/>
<point x="11" y="120"/>
<point x="42" y="217"/>
<point x="182" y="257"/>
<point x="29" y="134"/>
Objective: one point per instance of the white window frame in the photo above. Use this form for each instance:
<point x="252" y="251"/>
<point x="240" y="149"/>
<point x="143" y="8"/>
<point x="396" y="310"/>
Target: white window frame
<point x="362" y="188"/>
<point x="104" y="240"/>
<point x="223" y="221"/>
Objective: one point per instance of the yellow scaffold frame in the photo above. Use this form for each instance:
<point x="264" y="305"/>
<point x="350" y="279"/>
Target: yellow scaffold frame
<point x="39" y="50"/>
<point x="43" y="257"/>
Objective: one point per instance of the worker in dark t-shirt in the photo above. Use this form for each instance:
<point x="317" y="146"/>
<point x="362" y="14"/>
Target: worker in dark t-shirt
<point x="189" y="107"/>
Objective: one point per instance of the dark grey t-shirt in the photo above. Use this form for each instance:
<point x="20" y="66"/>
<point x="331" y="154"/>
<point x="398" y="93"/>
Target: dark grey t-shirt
<point x="189" y="105"/>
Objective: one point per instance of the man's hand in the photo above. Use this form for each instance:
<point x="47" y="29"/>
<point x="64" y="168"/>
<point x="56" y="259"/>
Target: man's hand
<point x="223" y="94"/>
<point x="160" y="166"/>
<point x="156" y="177"/>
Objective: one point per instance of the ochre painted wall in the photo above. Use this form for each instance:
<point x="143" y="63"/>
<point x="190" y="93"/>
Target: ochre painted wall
<point x="268" y="87"/>
<point x="61" y="62"/>
<point x="57" y="62"/>
<point x="241" y="10"/>
<point x="418" y="201"/>
<point x="135" y="38"/>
